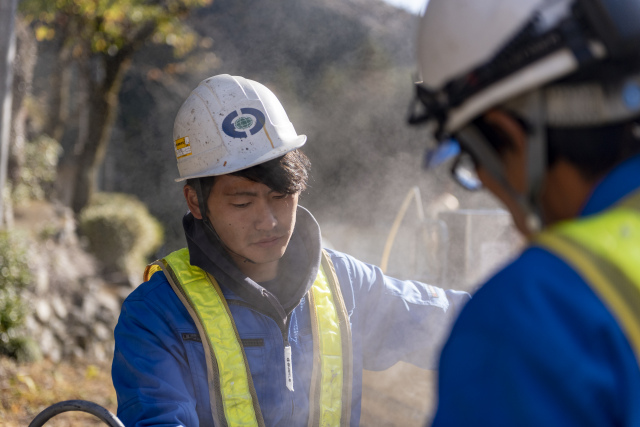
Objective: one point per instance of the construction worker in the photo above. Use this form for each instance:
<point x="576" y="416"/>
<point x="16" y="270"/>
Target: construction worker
<point x="254" y="323"/>
<point x="543" y="99"/>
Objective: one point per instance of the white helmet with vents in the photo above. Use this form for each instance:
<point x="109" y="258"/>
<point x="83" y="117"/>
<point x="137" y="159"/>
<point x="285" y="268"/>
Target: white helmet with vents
<point x="474" y="55"/>
<point x="229" y="123"/>
<point x="529" y="57"/>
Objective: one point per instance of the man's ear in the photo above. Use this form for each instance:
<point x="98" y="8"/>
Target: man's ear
<point x="191" y="197"/>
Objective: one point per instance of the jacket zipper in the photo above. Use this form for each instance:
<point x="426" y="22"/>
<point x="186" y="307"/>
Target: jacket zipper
<point x="284" y="327"/>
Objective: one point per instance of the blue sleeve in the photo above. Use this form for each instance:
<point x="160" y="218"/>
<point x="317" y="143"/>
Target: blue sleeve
<point x="536" y="347"/>
<point x="396" y="320"/>
<point x="150" y="368"/>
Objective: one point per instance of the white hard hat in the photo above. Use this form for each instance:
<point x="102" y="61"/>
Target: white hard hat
<point x="457" y="37"/>
<point x="474" y="55"/>
<point x="229" y="123"/>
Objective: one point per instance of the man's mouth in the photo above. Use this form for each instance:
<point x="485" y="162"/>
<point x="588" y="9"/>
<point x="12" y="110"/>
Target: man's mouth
<point x="268" y="242"/>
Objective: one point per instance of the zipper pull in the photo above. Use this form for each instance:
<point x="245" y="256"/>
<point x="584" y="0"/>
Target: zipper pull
<point x="288" y="367"/>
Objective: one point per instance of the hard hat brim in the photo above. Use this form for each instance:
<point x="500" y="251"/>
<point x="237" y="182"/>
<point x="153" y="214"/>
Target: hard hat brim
<point x="218" y="170"/>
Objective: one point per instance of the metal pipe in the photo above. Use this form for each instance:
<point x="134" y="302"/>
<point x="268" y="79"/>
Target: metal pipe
<point x="76" y="405"/>
<point x="414" y="193"/>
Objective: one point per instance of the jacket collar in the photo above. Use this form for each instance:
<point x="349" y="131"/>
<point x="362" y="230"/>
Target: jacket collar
<point x="616" y="185"/>
<point x="297" y="269"/>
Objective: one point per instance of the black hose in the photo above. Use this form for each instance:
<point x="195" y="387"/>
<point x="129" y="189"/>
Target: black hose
<point x="76" y="405"/>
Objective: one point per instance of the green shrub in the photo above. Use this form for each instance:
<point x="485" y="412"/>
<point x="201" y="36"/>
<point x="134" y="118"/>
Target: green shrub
<point x="15" y="276"/>
<point x="38" y="173"/>
<point x="122" y="233"/>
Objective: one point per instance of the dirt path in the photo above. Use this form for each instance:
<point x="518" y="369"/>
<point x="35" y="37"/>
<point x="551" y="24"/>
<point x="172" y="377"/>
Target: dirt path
<point x="400" y="396"/>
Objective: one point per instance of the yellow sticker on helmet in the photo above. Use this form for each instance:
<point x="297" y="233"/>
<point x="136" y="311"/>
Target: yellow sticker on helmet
<point x="183" y="148"/>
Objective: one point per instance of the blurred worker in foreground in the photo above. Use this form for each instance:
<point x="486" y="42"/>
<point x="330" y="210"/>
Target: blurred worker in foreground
<point x="254" y="323"/>
<point x="543" y="98"/>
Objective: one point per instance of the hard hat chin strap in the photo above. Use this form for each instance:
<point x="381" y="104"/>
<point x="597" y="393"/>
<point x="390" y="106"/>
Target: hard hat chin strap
<point x="475" y="142"/>
<point x="202" y="204"/>
<point x="536" y="158"/>
<point x="211" y="232"/>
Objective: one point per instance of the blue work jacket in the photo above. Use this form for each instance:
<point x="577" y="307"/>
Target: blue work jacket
<point x="537" y="347"/>
<point x="160" y="375"/>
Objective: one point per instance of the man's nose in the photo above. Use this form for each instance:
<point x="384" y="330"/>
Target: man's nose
<point x="266" y="219"/>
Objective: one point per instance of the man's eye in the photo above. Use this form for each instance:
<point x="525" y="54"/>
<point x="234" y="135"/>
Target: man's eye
<point x="240" y="205"/>
<point x="279" y="196"/>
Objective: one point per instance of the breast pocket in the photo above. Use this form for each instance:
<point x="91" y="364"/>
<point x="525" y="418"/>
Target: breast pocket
<point x="254" y="349"/>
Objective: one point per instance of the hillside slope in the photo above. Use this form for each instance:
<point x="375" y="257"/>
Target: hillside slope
<point x="342" y="69"/>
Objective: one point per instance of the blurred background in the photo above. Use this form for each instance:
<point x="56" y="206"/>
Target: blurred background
<point x="87" y="168"/>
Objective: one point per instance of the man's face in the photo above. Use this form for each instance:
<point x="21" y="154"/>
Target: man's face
<point x="252" y="220"/>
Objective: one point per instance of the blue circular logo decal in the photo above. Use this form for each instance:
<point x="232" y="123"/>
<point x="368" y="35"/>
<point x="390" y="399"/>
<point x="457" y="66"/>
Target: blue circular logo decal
<point x="252" y="120"/>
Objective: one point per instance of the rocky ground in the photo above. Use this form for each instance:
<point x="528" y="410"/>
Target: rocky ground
<point x="72" y="307"/>
<point x="72" y="310"/>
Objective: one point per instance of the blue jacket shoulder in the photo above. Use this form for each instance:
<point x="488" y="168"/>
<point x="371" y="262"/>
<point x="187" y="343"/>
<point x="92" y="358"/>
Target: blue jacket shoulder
<point x="536" y="328"/>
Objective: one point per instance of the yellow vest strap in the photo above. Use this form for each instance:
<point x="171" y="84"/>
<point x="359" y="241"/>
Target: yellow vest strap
<point x="233" y="398"/>
<point x="150" y="271"/>
<point x="330" y="395"/>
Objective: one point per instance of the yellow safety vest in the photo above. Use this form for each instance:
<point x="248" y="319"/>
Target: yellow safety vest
<point x="232" y="395"/>
<point x="605" y="250"/>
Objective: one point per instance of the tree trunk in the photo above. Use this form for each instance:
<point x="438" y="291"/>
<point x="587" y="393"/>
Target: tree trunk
<point x="102" y="112"/>
<point x="24" y="64"/>
<point x="59" y="83"/>
<point x="7" y="53"/>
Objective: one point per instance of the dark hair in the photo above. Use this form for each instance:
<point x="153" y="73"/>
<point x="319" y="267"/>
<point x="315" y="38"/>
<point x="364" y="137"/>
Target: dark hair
<point x="592" y="150"/>
<point x="287" y="174"/>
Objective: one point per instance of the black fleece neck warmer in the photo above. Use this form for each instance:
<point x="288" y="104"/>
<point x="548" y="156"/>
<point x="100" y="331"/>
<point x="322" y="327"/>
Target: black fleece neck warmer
<point x="297" y="269"/>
